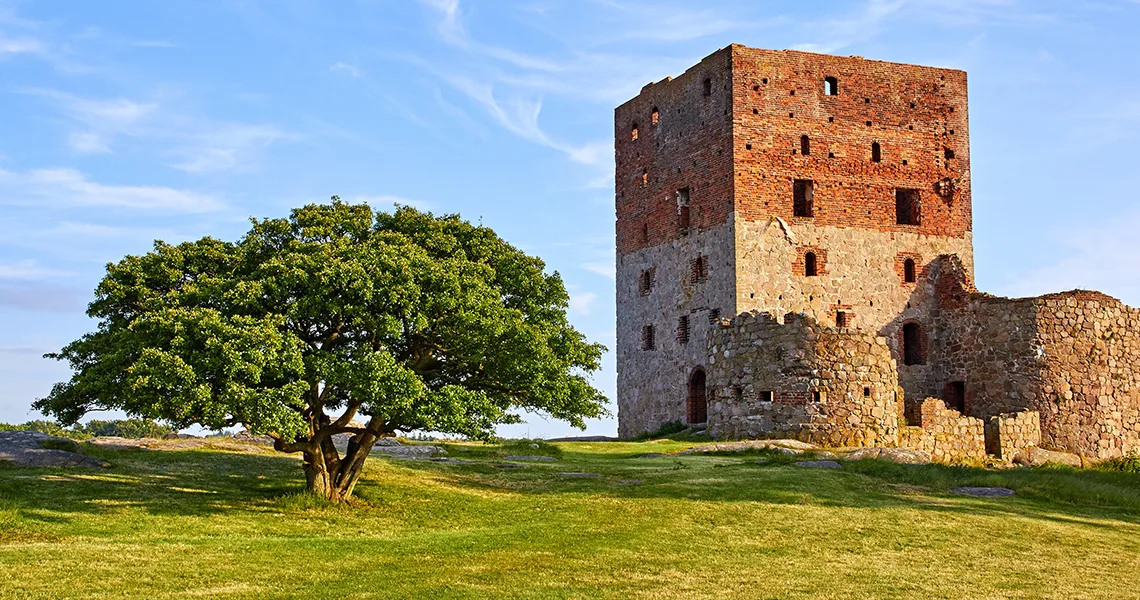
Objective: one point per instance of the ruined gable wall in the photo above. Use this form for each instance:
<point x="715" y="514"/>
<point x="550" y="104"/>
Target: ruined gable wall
<point x="689" y="146"/>
<point x="852" y="372"/>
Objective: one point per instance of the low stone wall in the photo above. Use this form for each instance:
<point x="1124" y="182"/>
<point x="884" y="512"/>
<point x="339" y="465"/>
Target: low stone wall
<point x="949" y="436"/>
<point x="1010" y="433"/>
<point x="799" y="379"/>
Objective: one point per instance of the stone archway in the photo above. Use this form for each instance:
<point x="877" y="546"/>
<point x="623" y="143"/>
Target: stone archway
<point x="698" y="404"/>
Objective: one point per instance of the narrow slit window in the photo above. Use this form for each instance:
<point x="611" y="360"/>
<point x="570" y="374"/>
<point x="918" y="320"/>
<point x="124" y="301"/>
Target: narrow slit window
<point x="876" y="152"/>
<point x="646" y="281"/>
<point x="645" y="233"/>
<point x="810" y="267"/>
<point x="840" y="319"/>
<point x="805" y="145"/>
<point x="830" y="86"/>
<point x="683" y="329"/>
<point x="908" y="208"/>
<point x="633" y="132"/>
<point x="644" y="177"/>
<point x="803" y="198"/>
<point x="699" y="269"/>
<point x="912" y="350"/>
<point x="909" y="275"/>
<point x="647" y="338"/>
<point x="714" y="316"/>
<point x="708" y="87"/>
<point x="654" y="117"/>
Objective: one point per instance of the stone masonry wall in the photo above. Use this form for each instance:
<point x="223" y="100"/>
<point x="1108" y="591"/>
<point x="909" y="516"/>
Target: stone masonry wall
<point x="1073" y="357"/>
<point x="1009" y="434"/>
<point x="947" y="435"/>
<point x="802" y="380"/>
<point x="683" y="142"/>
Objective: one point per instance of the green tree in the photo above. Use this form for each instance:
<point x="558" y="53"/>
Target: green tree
<point x="403" y="320"/>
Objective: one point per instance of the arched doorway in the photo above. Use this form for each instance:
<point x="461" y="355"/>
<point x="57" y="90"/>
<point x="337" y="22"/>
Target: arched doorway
<point x="698" y="403"/>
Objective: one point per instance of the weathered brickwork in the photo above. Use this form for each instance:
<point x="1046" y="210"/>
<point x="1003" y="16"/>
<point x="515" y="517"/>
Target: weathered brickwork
<point x="837" y="190"/>
<point x="803" y="380"/>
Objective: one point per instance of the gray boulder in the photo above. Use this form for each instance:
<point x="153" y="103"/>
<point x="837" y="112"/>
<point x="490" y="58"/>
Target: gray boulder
<point x="906" y="456"/>
<point x="26" y="449"/>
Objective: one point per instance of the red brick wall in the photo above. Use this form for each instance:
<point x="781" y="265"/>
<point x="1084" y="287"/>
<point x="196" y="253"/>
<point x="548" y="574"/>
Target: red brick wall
<point x="690" y="146"/>
<point x="779" y="96"/>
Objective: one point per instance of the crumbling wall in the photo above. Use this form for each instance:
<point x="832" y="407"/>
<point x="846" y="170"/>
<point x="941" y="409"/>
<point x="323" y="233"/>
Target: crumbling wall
<point x="1074" y="357"/>
<point x="1008" y="434"/>
<point x="1089" y="401"/>
<point x="947" y="435"/>
<point x="802" y="380"/>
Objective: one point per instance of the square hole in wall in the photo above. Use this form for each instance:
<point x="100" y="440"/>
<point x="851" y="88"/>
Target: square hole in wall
<point x="866" y="392"/>
<point x="765" y="396"/>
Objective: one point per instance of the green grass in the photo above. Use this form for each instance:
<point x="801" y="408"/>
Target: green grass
<point x="203" y="524"/>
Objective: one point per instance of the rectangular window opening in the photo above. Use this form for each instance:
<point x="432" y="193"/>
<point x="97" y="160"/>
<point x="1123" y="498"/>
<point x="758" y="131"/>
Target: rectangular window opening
<point x="765" y="396"/>
<point x="803" y="198"/>
<point x="683" y="329"/>
<point x="908" y="207"/>
<point x="647" y="338"/>
<point x="840" y="319"/>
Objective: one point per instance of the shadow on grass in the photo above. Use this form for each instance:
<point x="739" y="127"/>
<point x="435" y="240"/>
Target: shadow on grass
<point x="183" y="482"/>
<point x="1053" y="493"/>
<point x="206" y="482"/>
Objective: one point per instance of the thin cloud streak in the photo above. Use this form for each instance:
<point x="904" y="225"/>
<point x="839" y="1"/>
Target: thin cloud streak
<point x="68" y="187"/>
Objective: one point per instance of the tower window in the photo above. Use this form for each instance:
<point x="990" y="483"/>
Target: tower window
<point x="912" y="350"/>
<point x="683" y="213"/>
<point x="840" y="319"/>
<point x="714" y="316"/>
<point x="907" y="207"/>
<point x="876" y="152"/>
<point x="645" y="233"/>
<point x="810" y="268"/>
<point x="633" y="132"/>
<point x="830" y="86"/>
<point x="737" y="393"/>
<point x="698" y="269"/>
<point x="647" y="339"/>
<point x="644" y="177"/>
<point x="654" y="117"/>
<point x="765" y="396"/>
<point x="948" y="153"/>
<point x="683" y="329"/>
<point x="803" y="196"/>
<point x="708" y="87"/>
<point x="646" y="280"/>
<point x="805" y="145"/>
<point x="909" y="275"/>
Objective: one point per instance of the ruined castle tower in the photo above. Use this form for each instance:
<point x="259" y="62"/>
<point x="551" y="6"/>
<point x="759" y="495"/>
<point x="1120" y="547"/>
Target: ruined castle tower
<point x="784" y="182"/>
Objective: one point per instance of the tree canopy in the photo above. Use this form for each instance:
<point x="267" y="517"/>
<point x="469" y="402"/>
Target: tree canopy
<point x="403" y="320"/>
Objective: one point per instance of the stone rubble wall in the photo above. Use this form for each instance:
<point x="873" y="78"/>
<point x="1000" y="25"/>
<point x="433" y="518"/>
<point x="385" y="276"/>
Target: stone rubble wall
<point x="653" y="384"/>
<point x="1090" y="395"/>
<point x="947" y="435"/>
<point x="1008" y="434"/>
<point x="858" y="402"/>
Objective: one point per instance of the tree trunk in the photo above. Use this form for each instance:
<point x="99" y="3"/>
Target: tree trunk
<point x="333" y="477"/>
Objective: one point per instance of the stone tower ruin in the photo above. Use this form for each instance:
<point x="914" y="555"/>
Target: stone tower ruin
<point x="795" y="258"/>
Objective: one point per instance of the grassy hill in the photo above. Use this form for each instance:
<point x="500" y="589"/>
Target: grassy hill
<point x="215" y="524"/>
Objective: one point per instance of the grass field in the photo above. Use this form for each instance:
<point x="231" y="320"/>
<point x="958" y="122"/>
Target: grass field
<point x="209" y="524"/>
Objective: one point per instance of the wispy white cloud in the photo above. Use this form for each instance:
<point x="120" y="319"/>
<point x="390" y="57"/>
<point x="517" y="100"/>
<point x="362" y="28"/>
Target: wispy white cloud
<point x="191" y="144"/>
<point x="20" y="46"/>
<point x="1100" y="257"/>
<point x="520" y="117"/>
<point x="68" y="187"/>
<point x="346" y="68"/>
<point x="28" y="269"/>
<point x="607" y="270"/>
<point x="582" y="302"/>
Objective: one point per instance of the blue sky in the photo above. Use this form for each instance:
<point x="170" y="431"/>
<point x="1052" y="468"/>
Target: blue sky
<point x="123" y="122"/>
